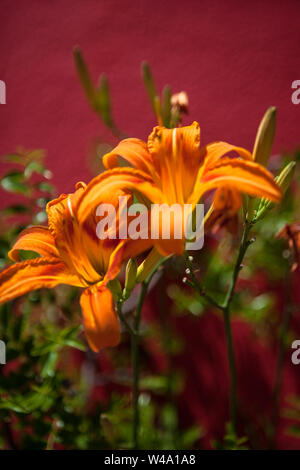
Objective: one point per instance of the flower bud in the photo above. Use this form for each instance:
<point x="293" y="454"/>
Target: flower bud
<point x="285" y="178"/>
<point x="115" y="288"/>
<point x="265" y="137"/>
<point x="180" y="102"/>
<point x="84" y="76"/>
<point x="130" y="277"/>
<point x="149" y="84"/>
<point x="148" y="265"/>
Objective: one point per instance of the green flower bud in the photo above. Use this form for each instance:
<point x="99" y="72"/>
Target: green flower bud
<point x="84" y="76"/>
<point x="130" y="277"/>
<point x="148" y="265"/>
<point x="265" y="137"/>
<point x="149" y="84"/>
<point x="283" y="180"/>
<point x="115" y="288"/>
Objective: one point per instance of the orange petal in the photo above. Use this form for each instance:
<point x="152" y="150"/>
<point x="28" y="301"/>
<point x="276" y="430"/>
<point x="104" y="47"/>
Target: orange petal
<point x="68" y="235"/>
<point x="212" y="153"/>
<point x="33" y="274"/>
<point x="55" y="211"/>
<point x="170" y="247"/>
<point x="226" y="204"/>
<point x="133" y="248"/>
<point x="176" y="156"/>
<point x="227" y="199"/>
<point x="242" y="175"/>
<point x="114" y="262"/>
<point x="100" y="319"/>
<point x="103" y="187"/>
<point x="216" y="150"/>
<point x="134" y="151"/>
<point x="38" y="239"/>
<point x="124" y="250"/>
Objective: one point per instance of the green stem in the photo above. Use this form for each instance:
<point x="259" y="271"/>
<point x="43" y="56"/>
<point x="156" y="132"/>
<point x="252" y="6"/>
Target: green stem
<point x="225" y="307"/>
<point x="232" y="368"/>
<point x="202" y="292"/>
<point x="123" y="319"/>
<point x="245" y="243"/>
<point x="135" y="364"/>
<point x="135" y="334"/>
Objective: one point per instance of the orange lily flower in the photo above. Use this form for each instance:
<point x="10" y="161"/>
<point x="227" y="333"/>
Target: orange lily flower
<point x="70" y="253"/>
<point x="172" y="168"/>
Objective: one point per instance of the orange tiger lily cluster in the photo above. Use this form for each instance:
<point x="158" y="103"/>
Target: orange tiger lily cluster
<point x="170" y="168"/>
<point x="70" y="253"/>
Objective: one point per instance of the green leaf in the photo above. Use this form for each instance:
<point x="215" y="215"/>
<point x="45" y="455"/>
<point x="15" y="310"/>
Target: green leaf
<point x="40" y="217"/>
<point x="45" y="187"/>
<point x="44" y="348"/>
<point x="74" y="343"/>
<point x="56" y="340"/>
<point x="37" y="399"/>
<point x="156" y="383"/>
<point x="15" y="209"/>
<point x="14" y="182"/>
<point x="68" y="337"/>
<point x="294" y="431"/>
<point x="34" y="167"/>
<point x="18" y="328"/>
<point x="12" y="158"/>
<point x="169" y="417"/>
<point x="49" y="364"/>
<point x="34" y="155"/>
<point x="190" y="436"/>
<point x="42" y="202"/>
<point x="12" y="406"/>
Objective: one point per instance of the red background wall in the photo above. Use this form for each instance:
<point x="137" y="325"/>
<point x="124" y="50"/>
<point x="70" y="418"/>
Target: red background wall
<point x="233" y="58"/>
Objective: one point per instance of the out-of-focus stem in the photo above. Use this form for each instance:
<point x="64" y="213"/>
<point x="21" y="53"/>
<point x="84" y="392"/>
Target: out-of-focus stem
<point x="136" y="365"/>
<point x="135" y="336"/>
<point x="225" y="307"/>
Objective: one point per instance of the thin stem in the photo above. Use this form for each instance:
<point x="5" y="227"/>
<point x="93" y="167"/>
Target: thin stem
<point x="225" y="307"/>
<point x="245" y="243"/>
<point x="135" y="363"/>
<point x="123" y="319"/>
<point x="135" y="334"/>
<point x="202" y="292"/>
<point x="232" y="367"/>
